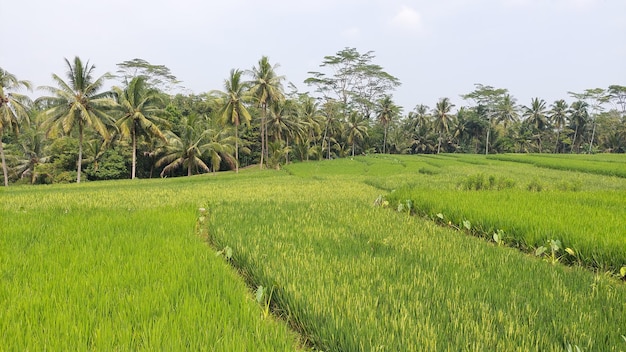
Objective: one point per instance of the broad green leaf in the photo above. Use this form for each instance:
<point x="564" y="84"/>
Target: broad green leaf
<point x="540" y="251"/>
<point x="259" y="294"/>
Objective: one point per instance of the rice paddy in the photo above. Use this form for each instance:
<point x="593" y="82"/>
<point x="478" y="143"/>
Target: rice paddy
<point x="119" y="265"/>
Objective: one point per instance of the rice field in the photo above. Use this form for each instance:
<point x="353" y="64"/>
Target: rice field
<point x="115" y="267"/>
<point x="119" y="265"/>
<point x="533" y="206"/>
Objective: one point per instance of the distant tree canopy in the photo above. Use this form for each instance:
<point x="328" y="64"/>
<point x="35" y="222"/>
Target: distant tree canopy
<point x="145" y="126"/>
<point x="355" y="80"/>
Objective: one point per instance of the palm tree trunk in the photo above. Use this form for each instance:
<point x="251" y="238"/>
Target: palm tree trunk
<point x="439" y="144"/>
<point x="558" y="132"/>
<point x="134" y="164"/>
<point x="189" y="167"/>
<point x="487" y="144"/>
<point x="236" y="148"/>
<point x="593" y="133"/>
<point x="263" y="135"/>
<point x="323" y="139"/>
<point x="385" y="140"/>
<point x="574" y="141"/>
<point x="539" y="141"/>
<point x="328" y="146"/>
<point x="353" y="149"/>
<point x="80" y="151"/>
<point x="4" y="164"/>
<point x="286" y="150"/>
<point x="267" y="138"/>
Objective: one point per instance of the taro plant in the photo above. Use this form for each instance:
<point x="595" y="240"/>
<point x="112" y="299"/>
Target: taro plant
<point x="498" y="237"/>
<point x="405" y="206"/>
<point x="202" y="224"/>
<point x="227" y="252"/>
<point x="554" y="255"/>
<point x="380" y="201"/>
<point x="264" y="299"/>
<point x="467" y="225"/>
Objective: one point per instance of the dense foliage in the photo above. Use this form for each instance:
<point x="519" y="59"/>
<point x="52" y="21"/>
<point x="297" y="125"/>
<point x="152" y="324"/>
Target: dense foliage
<point x="255" y="121"/>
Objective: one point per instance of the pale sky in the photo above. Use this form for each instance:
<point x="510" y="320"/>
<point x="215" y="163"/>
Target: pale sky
<point x="533" y="48"/>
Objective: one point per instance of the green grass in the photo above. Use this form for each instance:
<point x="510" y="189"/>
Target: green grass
<point x="584" y="211"/>
<point x="114" y="267"/>
<point x="603" y="164"/>
<point x="117" y="265"/>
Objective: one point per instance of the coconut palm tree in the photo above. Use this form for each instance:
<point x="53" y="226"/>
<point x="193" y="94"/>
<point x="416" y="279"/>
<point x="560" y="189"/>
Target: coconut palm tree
<point x="536" y="116"/>
<point x="33" y="142"/>
<point x="13" y="109"/>
<point x="284" y="123"/>
<point x="266" y="87"/>
<point x="233" y="109"/>
<point x="185" y="148"/>
<point x="386" y="112"/>
<point x="506" y="111"/>
<point x="332" y="125"/>
<point x="355" y="128"/>
<point x="443" y="118"/>
<point x="78" y="102"/>
<point x="558" y="115"/>
<point x="578" y="116"/>
<point x="313" y="121"/>
<point x="141" y="112"/>
<point x="418" y="118"/>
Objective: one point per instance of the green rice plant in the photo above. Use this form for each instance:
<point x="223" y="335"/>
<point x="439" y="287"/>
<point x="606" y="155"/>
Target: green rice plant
<point x="602" y="165"/>
<point x="119" y="265"/>
<point x="591" y="223"/>
<point x="108" y="267"/>
<point x="481" y="181"/>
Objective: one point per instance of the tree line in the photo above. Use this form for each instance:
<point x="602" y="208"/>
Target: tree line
<point x="139" y="129"/>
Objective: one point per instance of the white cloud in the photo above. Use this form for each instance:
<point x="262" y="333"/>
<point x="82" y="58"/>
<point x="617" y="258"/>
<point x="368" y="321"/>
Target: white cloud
<point x="408" y="19"/>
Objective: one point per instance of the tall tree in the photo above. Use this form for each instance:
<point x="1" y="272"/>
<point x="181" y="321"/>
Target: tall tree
<point x="13" y="109"/>
<point x="617" y="94"/>
<point x="536" y="116"/>
<point x="313" y="121"/>
<point x="579" y="116"/>
<point x="266" y="87"/>
<point x="33" y="143"/>
<point x="79" y="102"/>
<point x="233" y="108"/>
<point x="386" y="112"/>
<point x="283" y="124"/>
<point x="185" y="148"/>
<point x="595" y="98"/>
<point x="157" y="76"/>
<point x="558" y="116"/>
<point x="141" y="114"/>
<point x="330" y="112"/>
<point x="506" y="111"/>
<point x="443" y="118"/>
<point x="355" y="81"/>
<point x="487" y="99"/>
<point x="418" y="118"/>
<point x="356" y="128"/>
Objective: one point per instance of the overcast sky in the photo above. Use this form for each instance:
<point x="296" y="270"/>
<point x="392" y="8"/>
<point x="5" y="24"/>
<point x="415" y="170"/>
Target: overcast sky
<point x="533" y="48"/>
